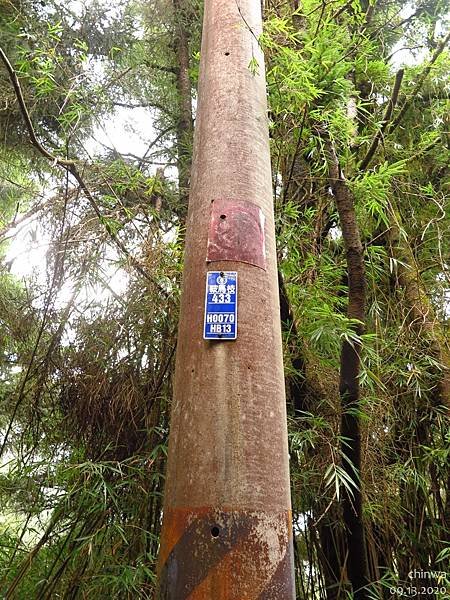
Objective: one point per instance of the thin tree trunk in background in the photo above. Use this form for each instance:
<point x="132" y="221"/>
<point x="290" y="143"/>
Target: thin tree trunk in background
<point x="185" y="122"/>
<point x="332" y="554"/>
<point x="421" y="313"/>
<point x="227" y="526"/>
<point x="357" y="565"/>
<point x="296" y="381"/>
<point x="424" y="411"/>
<point x="330" y="542"/>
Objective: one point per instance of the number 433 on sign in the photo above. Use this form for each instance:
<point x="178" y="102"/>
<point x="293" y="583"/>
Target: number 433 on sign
<point x="220" y="321"/>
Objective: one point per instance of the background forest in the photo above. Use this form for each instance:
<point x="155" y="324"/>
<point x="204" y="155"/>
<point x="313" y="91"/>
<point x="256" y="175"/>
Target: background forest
<point x="91" y="250"/>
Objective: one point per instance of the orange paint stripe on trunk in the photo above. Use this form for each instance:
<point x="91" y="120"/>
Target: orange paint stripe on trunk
<point x="175" y="523"/>
<point x="255" y="568"/>
<point x="232" y="579"/>
<point x="228" y="555"/>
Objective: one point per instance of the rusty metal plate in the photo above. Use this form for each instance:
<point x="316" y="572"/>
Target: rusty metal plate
<point x="236" y="232"/>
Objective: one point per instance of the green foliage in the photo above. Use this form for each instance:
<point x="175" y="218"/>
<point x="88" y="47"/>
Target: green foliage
<point x="337" y="478"/>
<point x="372" y="189"/>
<point x="87" y="342"/>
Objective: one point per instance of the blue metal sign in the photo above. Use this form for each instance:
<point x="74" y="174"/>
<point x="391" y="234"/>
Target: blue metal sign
<point x="220" y="306"/>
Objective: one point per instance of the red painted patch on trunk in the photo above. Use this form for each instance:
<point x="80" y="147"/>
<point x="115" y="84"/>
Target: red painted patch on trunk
<point x="236" y="232"/>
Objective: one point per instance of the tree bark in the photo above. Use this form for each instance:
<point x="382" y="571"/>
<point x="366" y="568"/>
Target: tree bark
<point x="357" y="564"/>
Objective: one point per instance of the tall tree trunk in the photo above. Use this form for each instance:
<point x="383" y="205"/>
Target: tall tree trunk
<point x="357" y="565"/>
<point x="227" y="529"/>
